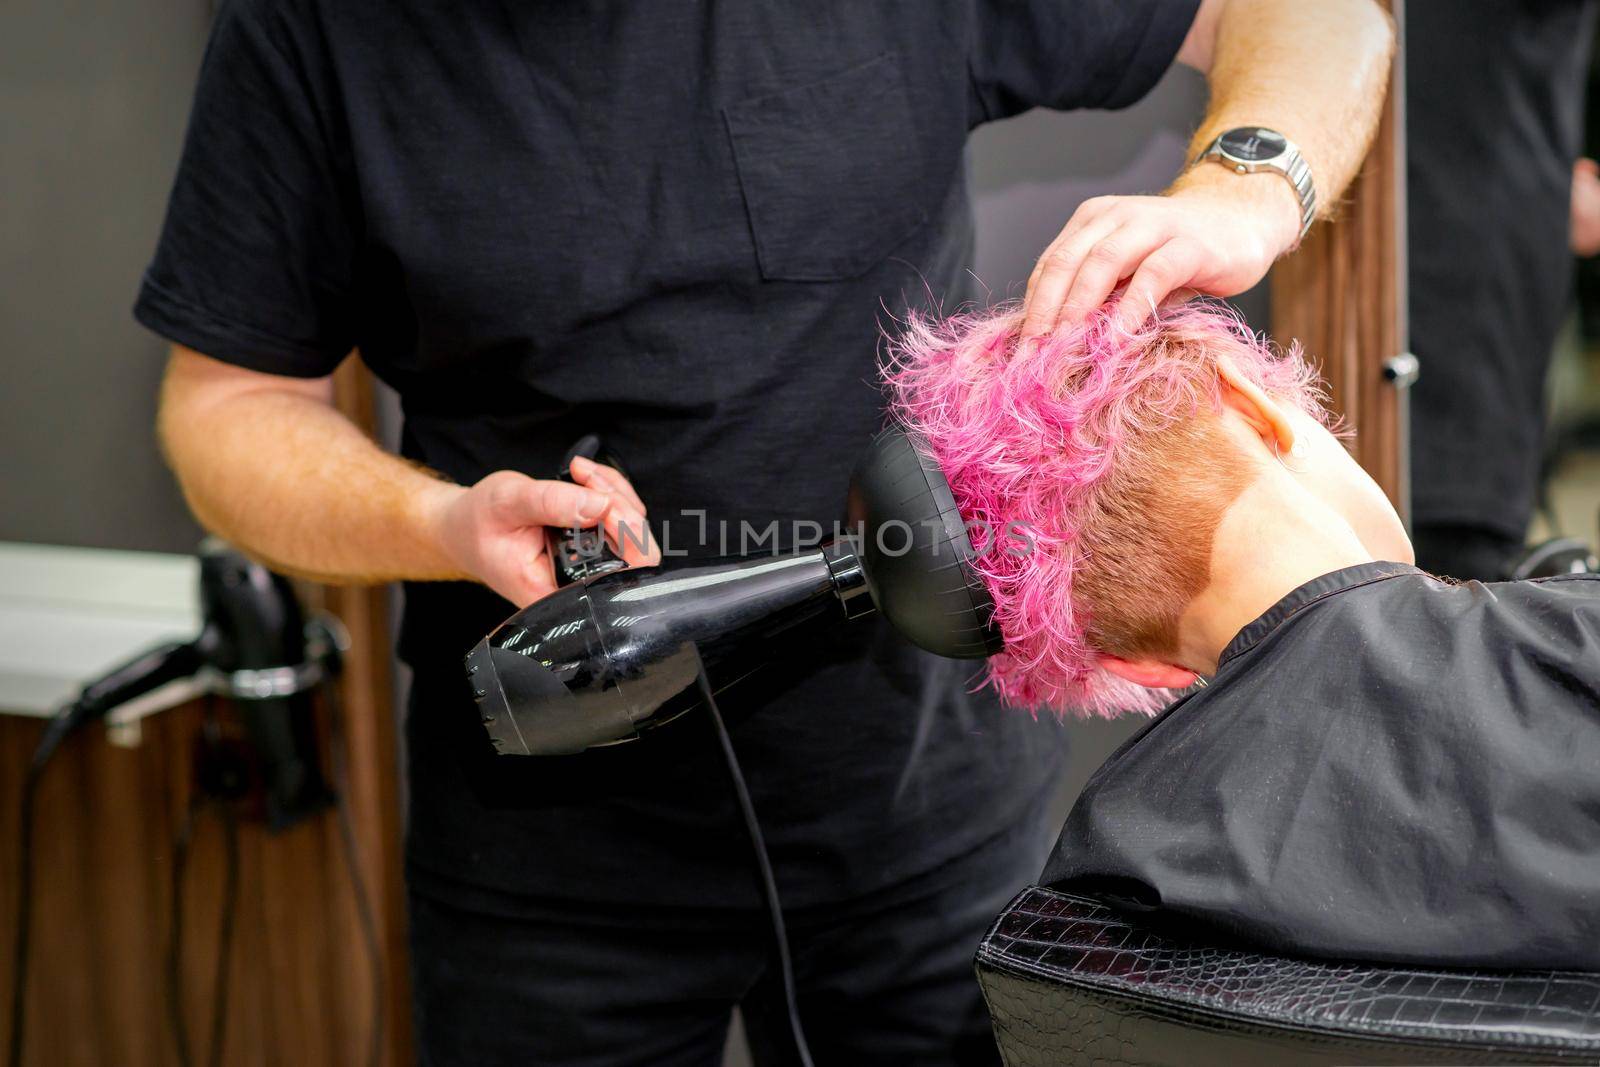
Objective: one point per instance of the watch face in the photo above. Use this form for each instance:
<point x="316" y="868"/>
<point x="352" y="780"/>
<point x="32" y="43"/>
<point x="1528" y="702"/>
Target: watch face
<point x="1253" y="144"/>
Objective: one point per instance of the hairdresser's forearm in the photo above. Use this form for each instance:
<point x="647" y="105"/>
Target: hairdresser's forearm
<point x="1314" y="71"/>
<point x="269" y="464"/>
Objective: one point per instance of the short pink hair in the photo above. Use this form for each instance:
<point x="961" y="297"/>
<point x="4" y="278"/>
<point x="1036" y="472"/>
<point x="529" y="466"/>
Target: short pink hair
<point x="1052" y="438"/>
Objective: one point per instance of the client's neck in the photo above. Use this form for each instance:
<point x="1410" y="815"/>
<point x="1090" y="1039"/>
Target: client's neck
<point x="1273" y="539"/>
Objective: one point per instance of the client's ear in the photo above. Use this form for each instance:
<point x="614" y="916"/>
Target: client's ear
<point x="1150" y="673"/>
<point x="1264" y="414"/>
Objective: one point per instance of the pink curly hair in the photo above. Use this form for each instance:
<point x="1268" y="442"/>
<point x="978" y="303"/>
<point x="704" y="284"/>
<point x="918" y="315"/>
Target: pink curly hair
<point x="1093" y="442"/>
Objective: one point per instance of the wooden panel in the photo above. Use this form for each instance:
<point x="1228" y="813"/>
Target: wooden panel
<point x="1343" y="296"/>
<point x="299" y="986"/>
<point x="298" y="982"/>
<point x="374" y="770"/>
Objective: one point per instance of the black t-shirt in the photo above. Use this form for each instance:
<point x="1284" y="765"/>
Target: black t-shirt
<point x="681" y="226"/>
<point x="1386" y="767"/>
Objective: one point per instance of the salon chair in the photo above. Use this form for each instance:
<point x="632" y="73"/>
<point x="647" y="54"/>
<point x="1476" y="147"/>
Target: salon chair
<point x="1071" y="980"/>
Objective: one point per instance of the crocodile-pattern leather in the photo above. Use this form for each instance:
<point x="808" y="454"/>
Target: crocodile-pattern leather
<point x="1070" y="980"/>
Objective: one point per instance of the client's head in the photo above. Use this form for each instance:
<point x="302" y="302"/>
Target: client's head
<point x="1138" y="494"/>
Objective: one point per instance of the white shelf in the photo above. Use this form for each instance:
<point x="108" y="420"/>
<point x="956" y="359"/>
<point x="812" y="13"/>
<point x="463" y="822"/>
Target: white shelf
<point x="69" y="614"/>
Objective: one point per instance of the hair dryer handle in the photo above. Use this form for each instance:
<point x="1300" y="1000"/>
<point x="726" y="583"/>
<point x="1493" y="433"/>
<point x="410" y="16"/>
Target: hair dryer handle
<point x="143" y="673"/>
<point x="580" y="552"/>
<point x="147" y="671"/>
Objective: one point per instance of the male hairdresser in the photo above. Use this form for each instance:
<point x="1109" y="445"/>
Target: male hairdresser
<point x="680" y="226"/>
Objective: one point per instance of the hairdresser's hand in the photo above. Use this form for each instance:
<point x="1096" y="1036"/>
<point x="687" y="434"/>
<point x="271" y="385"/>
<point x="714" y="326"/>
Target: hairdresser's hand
<point x="1586" y="208"/>
<point x="1213" y="232"/>
<point x="495" y="530"/>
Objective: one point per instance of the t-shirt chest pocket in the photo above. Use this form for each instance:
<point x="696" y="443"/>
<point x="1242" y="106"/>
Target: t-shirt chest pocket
<point x="831" y="172"/>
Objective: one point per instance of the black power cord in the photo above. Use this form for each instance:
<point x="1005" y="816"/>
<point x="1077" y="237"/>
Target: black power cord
<point x="230" y="902"/>
<point x="222" y="780"/>
<point x="358" y="884"/>
<point x="758" y="845"/>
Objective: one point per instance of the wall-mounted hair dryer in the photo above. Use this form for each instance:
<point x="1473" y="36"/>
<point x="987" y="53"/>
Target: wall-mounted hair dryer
<point x="255" y="648"/>
<point x="608" y="658"/>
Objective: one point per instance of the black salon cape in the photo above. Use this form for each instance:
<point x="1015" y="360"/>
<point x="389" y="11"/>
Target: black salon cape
<point x="1386" y="767"/>
<point x="682" y="227"/>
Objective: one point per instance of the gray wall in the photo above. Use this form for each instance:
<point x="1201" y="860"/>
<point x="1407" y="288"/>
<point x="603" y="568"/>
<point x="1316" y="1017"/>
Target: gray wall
<point x="1029" y="173"/>
<point x="92" y="101"/>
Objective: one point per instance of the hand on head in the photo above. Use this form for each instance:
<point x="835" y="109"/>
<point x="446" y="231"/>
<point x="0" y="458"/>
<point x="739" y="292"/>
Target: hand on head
<point x="1214" y="233"/>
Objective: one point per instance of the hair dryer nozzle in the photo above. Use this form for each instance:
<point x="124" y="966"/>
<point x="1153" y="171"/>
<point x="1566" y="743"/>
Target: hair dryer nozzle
<point x="541" y="681"/>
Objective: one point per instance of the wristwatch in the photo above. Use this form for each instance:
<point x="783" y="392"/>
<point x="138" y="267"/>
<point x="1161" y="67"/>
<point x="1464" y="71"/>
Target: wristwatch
<point x="1250" y="149"/>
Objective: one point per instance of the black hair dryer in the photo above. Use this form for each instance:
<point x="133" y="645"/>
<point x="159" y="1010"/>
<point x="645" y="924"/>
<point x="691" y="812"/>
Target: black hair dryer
<point x="255" y="647"/>
<point x="608" y="658"/>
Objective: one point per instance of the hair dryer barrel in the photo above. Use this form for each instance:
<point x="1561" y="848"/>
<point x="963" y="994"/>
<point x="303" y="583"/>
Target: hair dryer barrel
<point x="605" y="660"/>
